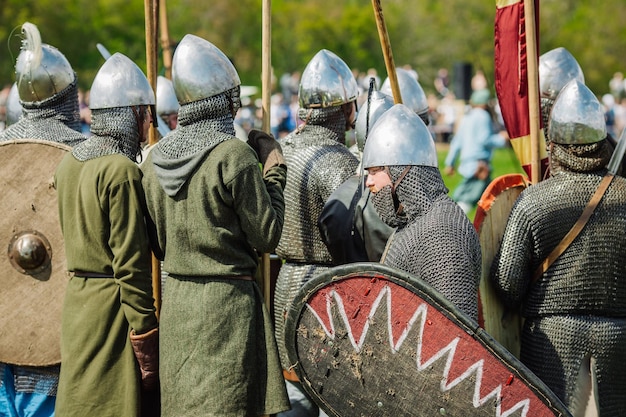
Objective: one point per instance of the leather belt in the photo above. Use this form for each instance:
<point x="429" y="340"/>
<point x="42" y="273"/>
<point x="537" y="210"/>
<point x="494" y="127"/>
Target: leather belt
<point x="85" y="274"/>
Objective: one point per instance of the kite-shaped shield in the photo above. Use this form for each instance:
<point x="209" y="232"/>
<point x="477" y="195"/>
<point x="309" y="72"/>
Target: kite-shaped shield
<point x="33" y="278"/>
<point x="492" y="213"/>
<point x="369" y="340"/>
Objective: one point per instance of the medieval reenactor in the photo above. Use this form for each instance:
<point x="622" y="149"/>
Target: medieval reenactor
<point x="166" y="103"/>
<point x="349" y="224"/>
<point x="48" y="92"/>
<point x="214" y="209"/>
<point x="318" y="162"/>
<point x="13" y="106"/>
<point x="413" y="95"/>
<point x="557" y="67"/>
<point x="572" y="292"/>
<point x="42" y="106"/>
<point x="109" y="343"/>
<point x="434" y="239"/>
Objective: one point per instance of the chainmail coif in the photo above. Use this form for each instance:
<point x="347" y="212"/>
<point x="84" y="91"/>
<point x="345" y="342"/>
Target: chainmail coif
<point x="318" y="162"/>
<point x="435" y="240"/>
<point x="55" y="119"/>
<point x="202" y="125"/>
<point x="580" y="158"/>
<point x="114" y="131"/>
<point x="546" y="109"/>
<point x="577" y="309"/>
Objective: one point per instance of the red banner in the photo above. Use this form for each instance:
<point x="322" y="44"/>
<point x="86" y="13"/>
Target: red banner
<point x="511" y="80"/>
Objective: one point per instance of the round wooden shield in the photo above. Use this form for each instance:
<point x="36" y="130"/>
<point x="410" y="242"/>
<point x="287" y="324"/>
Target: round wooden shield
<point x="492" y="213"/>
<point x="33" y="279"/>
<point x="370" y="340"/>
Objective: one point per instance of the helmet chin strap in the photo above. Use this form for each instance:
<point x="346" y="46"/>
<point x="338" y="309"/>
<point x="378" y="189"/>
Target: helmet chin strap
<point x="394" y="186"/>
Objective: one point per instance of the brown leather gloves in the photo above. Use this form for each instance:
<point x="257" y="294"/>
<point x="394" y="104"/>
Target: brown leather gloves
<point x="267" y="148"/>
<point x="146" y="348"/>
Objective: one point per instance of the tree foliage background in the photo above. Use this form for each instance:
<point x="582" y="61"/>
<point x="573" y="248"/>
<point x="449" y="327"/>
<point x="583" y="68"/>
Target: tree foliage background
<point x="426" y="34"/>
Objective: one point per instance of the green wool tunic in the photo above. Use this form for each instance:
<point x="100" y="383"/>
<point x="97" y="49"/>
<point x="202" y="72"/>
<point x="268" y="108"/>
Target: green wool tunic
<point x="218" y="352"/>
<point x="101" y="208"/>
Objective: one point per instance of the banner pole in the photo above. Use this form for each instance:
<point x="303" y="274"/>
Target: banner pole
<point x="266" y="98"/>
<point x="533" y="89"/>
<point x="151" y="10"/>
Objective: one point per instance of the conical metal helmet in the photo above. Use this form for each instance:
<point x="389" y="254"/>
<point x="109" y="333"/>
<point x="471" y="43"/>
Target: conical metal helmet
<point x="556" y="68"/>
<point x="41" y="70"/>
<point x="13" y="106"/>
<point x="378" y="104"/>
<point x="399" y="137"/>
<point x="326" y="81"/>
<point x="411" y="91"/>
<point x="201" y="70"/>
<point x="166" y="101"/>
<point x="120" y="83"/>
<point x="577" y="116"/>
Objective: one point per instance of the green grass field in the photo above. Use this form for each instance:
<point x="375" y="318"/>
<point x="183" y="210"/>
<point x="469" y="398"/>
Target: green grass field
<point x="504" y="162"/>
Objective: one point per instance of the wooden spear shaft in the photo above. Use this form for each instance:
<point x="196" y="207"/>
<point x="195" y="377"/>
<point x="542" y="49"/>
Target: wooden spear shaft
<point x="266" y="97"/>
<point x="166" y="43"/>
<point x="533" y="89"/>
<point x="386" y="47"/>
<point x="151" y="9"/>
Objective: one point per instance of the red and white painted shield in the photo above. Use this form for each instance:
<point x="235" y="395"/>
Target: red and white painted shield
<point x="369" y="340"/>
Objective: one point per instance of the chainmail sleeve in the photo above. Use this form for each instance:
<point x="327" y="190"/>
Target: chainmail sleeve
<point x="511" y="267"/>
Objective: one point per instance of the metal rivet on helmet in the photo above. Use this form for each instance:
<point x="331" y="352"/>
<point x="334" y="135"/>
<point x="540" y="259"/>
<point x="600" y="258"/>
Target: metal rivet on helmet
<point x="326" y="81"/>
<point x="120" y="83"/>
<point x="399" y="137"/>
<point x="577" y="116"/>
<point x="201" y="70"/>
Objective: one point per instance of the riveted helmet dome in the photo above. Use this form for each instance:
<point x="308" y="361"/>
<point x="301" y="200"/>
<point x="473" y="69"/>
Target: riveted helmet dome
<point x="577" y="116"/>
<point x="120" y="83"/>
<point x="412" y="92"/>
<point x="399" y="137"/>
<point x="166" y="101"/>
<point x="41" y="70"/>
<point x="326" y="81"/>
<point x="556" y="68"/>
<point x="378" y="104"/>
<point x="201" y="70"/>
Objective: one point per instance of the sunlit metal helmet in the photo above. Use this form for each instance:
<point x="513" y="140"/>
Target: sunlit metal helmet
<point x="577" y="116"/>
<point x="13" y="106"/>
<point x="399" y="137"/>
<point x="120" y="83"/>
<point x="166" y="101"/>
<point x="41" y="70"/>
<point x="201" y="70"/>
<point x="556" y="68"/>
<point x="411" y="91"/>
<point x="326" y="81"/>
<point x="378" y="104"/>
